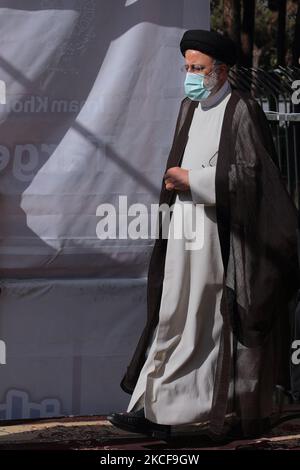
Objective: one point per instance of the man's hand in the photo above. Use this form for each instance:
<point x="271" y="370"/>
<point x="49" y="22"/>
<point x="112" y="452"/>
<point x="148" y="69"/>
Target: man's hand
<point x="177" y="178"/>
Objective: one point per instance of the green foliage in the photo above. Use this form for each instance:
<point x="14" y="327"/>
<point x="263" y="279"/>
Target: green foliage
<point x="216" y="18"/>
<point x="265" y="38"/>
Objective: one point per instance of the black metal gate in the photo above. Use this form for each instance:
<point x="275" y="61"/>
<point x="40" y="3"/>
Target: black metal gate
<point x="274" y="91"/>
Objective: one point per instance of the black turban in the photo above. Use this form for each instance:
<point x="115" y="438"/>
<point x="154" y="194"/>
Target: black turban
<point x="211" y="43"/>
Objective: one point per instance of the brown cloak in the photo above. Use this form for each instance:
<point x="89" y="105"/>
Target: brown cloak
<point x="257" y="226"/>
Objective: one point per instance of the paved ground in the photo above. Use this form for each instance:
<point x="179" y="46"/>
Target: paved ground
<point x="95" y="432"/>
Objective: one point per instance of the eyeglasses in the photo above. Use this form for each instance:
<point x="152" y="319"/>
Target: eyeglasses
<point x="198" y="68"/>
<point x="193" y="68"/>
<point x="212" y="162"/>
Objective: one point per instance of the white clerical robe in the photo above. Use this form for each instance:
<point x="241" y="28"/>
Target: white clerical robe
<point x="175" y="385"/>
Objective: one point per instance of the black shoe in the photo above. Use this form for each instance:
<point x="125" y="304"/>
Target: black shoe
<point x="140" y="412"/>
<point x="135" y="421"/>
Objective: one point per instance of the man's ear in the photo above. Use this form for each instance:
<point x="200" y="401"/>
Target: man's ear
<point x="224" y="67"/>
<point x="223" y="70"/>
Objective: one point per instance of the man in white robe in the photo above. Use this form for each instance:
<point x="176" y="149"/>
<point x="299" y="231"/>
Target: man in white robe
<point x="175" y="385"/>
<point x="178" y="375"/>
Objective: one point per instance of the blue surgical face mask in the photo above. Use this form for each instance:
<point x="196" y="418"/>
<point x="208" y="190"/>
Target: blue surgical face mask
<point x="194" y="86"/>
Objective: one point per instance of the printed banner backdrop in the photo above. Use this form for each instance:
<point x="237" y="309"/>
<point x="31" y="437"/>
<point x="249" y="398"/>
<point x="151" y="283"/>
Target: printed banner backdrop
<point x="89" y="96"/>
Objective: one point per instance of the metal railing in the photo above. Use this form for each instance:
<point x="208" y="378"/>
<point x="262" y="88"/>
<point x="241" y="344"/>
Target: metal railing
<point x="274" y="91"/>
